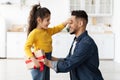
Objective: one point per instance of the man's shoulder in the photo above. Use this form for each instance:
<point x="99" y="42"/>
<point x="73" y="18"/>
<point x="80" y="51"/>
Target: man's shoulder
<point x="88" y="39"/>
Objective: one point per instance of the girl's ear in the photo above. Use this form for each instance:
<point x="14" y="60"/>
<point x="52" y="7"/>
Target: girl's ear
<point x="39" y="20"/>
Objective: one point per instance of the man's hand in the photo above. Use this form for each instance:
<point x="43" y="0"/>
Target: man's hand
<point x="54" y="59"/>
<point x="47" y="63"/>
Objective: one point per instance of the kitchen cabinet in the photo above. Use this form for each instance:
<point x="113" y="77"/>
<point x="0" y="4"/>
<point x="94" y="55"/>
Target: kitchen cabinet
<point x="105" y="43"/>
<point x="2" y="38"/>
<point x="93" y="7"/>
<point x="61" y="44"/>
<point x="15" y="44"/>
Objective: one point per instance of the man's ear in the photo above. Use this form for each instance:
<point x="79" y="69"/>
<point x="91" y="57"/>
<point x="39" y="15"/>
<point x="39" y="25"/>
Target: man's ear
<point x="80" y="23"/>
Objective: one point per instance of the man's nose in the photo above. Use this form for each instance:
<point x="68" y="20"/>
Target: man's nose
<point x="68" y="28"/>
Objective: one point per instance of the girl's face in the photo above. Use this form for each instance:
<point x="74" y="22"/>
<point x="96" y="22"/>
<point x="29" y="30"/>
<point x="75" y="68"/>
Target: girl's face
<point x="45" y="22"/>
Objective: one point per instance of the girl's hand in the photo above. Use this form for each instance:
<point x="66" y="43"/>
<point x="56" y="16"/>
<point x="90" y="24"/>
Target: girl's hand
<point x="67" y="21"/>
<point x="35" y="61"/>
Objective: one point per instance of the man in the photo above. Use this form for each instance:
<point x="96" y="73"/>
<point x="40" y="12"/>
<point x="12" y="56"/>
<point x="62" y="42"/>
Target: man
<point x="82" y="61"/>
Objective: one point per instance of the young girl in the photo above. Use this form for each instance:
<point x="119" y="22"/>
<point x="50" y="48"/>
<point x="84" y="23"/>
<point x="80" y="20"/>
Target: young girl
<point x="40" y="37"/>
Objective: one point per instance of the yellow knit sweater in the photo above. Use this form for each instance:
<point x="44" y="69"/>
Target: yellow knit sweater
<point x="41" y="39"/>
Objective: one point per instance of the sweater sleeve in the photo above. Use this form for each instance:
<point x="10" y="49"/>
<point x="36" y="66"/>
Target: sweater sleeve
<point x="56" y="29"/>
<point x="28" y="45"/>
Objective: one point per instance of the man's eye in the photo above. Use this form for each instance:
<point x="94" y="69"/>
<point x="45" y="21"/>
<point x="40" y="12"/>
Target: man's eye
<point x="71" y="21"/>
<point x="48" y="20"/>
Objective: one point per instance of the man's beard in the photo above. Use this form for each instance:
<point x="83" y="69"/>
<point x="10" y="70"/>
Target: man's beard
<point x="72" y="32"/>
<point x="68" y="30"/>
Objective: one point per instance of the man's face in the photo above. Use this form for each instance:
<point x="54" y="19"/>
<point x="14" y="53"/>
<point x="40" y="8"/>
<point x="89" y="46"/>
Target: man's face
<point x="73" y="25"/>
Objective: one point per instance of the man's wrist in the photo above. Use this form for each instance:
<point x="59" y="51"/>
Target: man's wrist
<point x="51" y="64"/>
<point x="54" y="65"/>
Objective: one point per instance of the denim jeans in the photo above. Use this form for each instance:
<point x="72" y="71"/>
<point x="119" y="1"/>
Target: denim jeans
<point x="44" y="75"/>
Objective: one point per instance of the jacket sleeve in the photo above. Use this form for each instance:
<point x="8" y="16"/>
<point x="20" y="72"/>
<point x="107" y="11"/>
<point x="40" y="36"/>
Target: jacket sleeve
<point x="81" y="53"/>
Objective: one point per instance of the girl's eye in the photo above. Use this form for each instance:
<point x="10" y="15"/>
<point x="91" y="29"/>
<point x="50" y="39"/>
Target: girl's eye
<point x="48" y="20"/>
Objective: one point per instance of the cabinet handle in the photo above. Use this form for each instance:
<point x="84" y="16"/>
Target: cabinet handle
<point x="92" y="2"/>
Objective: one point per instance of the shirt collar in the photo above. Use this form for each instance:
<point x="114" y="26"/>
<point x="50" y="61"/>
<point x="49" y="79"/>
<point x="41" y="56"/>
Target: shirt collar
<point x="81" y="36"/>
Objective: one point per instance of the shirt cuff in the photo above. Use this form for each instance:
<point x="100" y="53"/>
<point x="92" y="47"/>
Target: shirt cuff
<point x="54" y="65"/>
<point x="61" y="59"/>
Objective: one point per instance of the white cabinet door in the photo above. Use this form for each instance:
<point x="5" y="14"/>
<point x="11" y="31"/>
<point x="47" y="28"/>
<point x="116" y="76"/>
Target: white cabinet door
<point x="105" y="43"/>
<point x="2" y="38"/>
<point x="93" y="7"/>
<point x="98" y="7"/>
<point x="15" y="44"/>
<point x="108" y="46"/>
<point x="61" y="44"/>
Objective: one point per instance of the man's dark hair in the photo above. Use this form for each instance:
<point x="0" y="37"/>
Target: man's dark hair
<point x="80" y="14"/>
